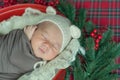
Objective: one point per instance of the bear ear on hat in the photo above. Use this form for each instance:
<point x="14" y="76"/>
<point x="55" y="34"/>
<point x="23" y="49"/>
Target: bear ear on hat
<point x="31" y="11"/>
<point x="75" y="31"/>
<point x="50" y="10"/>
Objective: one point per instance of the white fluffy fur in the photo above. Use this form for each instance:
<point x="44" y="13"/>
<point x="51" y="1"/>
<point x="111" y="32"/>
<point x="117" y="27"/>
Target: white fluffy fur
<point x="30" y="17"/>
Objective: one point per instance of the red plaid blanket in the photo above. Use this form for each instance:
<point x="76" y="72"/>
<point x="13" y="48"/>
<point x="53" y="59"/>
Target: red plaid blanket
<point x="103" y="13"/>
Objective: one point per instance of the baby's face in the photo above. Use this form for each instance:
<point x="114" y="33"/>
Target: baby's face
<point x="46" y="41"/>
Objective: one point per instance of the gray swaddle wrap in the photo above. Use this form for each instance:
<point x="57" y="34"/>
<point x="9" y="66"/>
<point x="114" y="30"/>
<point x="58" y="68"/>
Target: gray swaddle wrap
<point x="16" y="55"/>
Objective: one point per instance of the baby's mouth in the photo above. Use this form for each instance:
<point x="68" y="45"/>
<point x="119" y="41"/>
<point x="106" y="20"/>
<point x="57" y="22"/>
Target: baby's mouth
<point x="41" y="50"/>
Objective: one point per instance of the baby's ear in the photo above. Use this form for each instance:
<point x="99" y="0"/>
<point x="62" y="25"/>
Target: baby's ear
<point x="31" y="11"/>
<point x="50" y="10"/>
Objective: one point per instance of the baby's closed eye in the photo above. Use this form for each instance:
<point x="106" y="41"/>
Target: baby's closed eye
<point x="56" y="47"/>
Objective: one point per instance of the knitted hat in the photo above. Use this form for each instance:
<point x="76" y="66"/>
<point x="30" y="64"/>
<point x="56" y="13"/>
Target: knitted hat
<point x="68" y="31"/>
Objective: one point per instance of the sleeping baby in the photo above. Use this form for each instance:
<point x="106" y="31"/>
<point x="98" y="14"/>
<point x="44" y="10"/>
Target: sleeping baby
<point x="22" y="49"/>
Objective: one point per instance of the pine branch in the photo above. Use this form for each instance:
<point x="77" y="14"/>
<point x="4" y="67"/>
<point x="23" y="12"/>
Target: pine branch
<point x="110" y="51"/>
<point x="90" y="53"/>
<point x="68" y="11"/>
<point x="107" y="36"/>
<point x="78" y="69"/>
<point x="81" y="18"/>
<point x="106" y="71"/>
<point x="89" y="26"/>
<point x="67" y="74"/>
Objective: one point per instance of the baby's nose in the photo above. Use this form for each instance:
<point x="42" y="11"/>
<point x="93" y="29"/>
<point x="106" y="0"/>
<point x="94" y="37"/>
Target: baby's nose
<point x="46" y="46"/>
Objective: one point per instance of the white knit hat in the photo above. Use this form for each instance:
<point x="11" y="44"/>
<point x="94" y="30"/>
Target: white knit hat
<point x="68" y="31"/>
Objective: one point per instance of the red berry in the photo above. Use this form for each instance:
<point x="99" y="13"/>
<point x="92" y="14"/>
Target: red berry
<point x="95" y="30"/>
<point x="99" y="37"/>
<point x="97" y="45"/>
<point x="97" y="40"/>
<point x="92" y="34"/>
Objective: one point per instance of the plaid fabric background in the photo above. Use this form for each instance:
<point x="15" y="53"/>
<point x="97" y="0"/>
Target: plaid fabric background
<point x="103" y="13"/>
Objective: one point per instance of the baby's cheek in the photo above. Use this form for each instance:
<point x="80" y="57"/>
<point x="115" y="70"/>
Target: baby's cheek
<point x="51" y="55"/>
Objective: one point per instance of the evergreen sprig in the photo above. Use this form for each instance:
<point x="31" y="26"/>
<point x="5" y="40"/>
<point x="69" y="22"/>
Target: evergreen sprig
<point x="68" y="11"/>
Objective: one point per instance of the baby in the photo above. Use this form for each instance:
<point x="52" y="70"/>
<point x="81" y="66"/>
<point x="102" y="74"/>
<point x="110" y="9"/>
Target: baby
<point x="21" y="49"/>
<point x="45" y="38"/>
